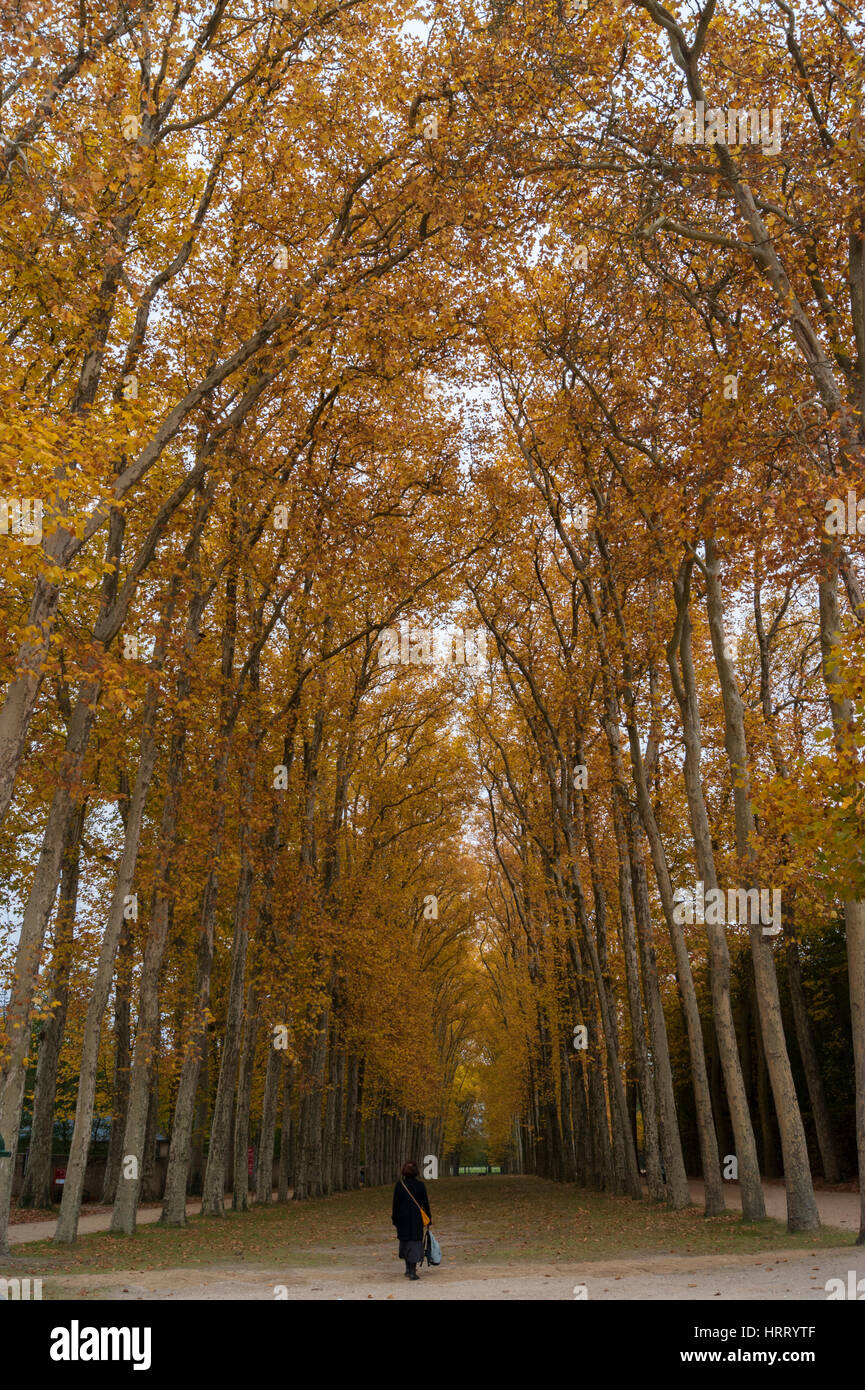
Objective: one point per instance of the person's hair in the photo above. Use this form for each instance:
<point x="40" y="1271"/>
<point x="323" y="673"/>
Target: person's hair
<point x="409" y="1170"/>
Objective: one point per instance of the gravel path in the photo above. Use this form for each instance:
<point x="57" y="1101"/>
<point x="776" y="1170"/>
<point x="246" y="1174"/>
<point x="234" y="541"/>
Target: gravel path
<point x="839" y="1209"/>
<point x="761" y="1279"/>
<point x="93" y="1221"/>
<point x="87" y="1224"/>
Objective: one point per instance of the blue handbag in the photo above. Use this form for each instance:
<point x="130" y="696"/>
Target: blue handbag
<point x="434" y="1250"/>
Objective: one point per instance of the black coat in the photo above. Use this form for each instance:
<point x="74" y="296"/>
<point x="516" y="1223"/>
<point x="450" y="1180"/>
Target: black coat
<point x="405" y="1215"/>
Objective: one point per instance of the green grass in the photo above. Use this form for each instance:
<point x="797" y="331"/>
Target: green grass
<point x="495" y="1220"/>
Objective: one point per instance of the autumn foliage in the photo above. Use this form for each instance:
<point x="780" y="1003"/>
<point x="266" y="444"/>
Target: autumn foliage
<point x="330" y="334"/>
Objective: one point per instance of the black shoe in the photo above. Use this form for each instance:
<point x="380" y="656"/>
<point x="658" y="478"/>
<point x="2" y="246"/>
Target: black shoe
<point x="413" y="1275"/>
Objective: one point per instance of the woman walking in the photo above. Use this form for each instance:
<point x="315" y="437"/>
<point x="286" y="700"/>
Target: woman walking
<point x="410" y="1202"/>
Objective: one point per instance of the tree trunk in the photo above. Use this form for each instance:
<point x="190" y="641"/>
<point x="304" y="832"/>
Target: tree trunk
<point x="624" y="1155"/>
<point x="264" y="1170"/>
<point x="37" y="1185"/>
<point x="711" y="1164"/>
<point x="37" y="912"/>
<point x="681" y="666"/>
<point x="174" y="1205"/>
<point x="678" y="1192"/>
<point x="308" y="1181"/>
<point x="147" y="1030"/>
<point x="286" y="1139"/>
<point x="70" y="1206"/>
<point x="149" y="1191"/>
<point x="841" y="710"/>
<point x="122" y="1061"/>
<point x="810" y="1062"/>
<point x="200" y="1132"/>
<point x="240" y="1185"/>
<point x="23" y="691"/>
<point x="213" y="1200"/>
<point x="802" y="1213"/>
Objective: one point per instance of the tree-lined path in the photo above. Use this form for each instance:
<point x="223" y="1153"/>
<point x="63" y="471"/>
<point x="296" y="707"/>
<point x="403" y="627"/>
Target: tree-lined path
<point x="432" y="608"/>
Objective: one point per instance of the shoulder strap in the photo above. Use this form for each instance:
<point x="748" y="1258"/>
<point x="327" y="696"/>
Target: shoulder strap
<point x="411" y="1194"/>
<point x="414" y="1198"/>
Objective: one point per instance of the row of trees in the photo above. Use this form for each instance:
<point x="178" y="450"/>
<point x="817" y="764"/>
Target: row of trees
<point x="220" y="813"/>
<point x="679" y="634"/>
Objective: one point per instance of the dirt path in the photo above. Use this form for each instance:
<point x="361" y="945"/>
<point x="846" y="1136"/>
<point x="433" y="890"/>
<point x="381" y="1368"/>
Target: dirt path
<point x="762" y="1279"/>
<point x="21" y="1233"/>
<point x="839" y="1209"/>
<point x="96" y="1221"/>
